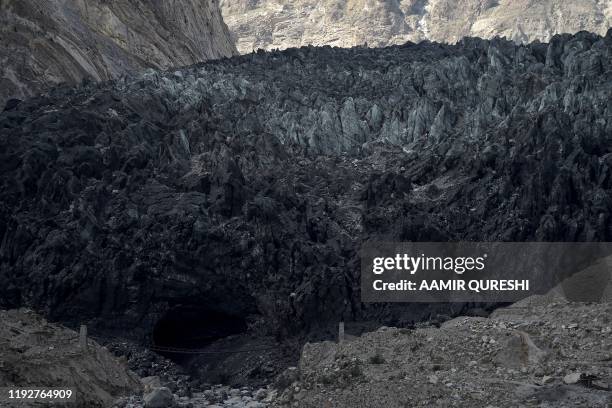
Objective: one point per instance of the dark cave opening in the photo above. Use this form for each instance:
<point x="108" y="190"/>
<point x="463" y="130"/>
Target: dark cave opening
<point x="190" y="328"/>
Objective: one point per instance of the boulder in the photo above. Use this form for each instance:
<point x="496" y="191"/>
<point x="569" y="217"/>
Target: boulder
<point x="519" y="351"/>
<point x="150" y="383"/>
<point x="160" y="397"/>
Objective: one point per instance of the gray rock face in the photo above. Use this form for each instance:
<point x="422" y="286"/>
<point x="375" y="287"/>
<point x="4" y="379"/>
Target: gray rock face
<point x="46" y="42"/>
<point x="244" y="187"/>
<point x="270" y="24"/>
<point x="159" y="398"/>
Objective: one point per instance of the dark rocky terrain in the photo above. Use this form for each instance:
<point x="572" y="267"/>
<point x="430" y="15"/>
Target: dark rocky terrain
<point x="232" y="197"/>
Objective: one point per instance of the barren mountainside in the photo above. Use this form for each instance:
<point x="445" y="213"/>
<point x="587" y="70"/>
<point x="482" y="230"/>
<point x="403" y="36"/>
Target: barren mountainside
<point x="270" y="24"/>
<point x="45" y="42"/>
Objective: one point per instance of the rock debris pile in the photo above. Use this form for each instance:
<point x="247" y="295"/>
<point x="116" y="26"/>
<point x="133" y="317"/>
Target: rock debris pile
<point x="552" y="355"/>
<point x="218" y="396"/>
<point x="35" y="354"/>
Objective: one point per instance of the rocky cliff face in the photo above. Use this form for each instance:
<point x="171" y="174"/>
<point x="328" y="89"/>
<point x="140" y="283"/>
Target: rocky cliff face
<point x="270" y="24"/>
<point x="242" y="189"/>
<point x="45" y="42"/>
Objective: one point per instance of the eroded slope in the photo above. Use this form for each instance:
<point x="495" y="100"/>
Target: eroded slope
<point x="35" y="353"/>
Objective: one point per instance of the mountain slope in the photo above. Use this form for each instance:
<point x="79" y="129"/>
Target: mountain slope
<point x="46" y="42"/>
<point x="282" y="24"/>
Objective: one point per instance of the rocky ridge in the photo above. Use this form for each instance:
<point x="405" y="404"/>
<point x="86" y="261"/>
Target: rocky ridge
<point x="44" y="42"/>
<point x="270" y="24"/>
<point x="243" y="188"/>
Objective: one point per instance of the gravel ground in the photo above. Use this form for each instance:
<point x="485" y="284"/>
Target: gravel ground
<point x="218" y="396"/>
<point x="553" y="355"/>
